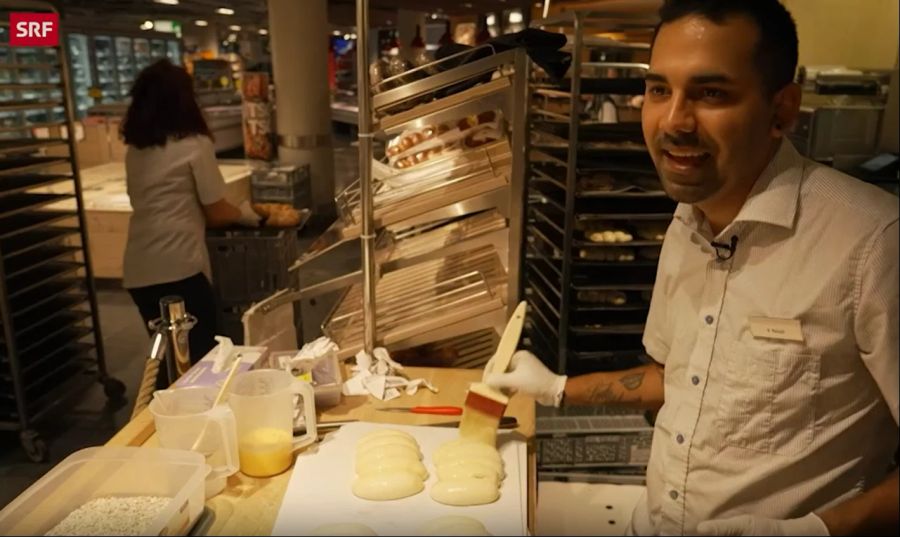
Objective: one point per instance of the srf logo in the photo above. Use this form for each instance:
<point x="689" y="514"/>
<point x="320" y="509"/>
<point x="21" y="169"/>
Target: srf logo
<point x="33" y="29"/>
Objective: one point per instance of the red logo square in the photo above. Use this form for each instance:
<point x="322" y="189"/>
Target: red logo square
<point x="33" y="29"/>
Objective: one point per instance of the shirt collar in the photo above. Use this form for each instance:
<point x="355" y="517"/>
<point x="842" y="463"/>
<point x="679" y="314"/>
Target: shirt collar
<point x="772" y="200"/>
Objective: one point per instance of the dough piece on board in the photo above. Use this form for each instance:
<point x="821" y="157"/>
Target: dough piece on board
<point x="468" y="491"/>
<point x="453" y="525"/>
<point x="368" y="456"/>
<point x="393" y="464"/>
<point x="344" y="528"/>
<point x="473" y="467"/>
<point x="387" y="486"/>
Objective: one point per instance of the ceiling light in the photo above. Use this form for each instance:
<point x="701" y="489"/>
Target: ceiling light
<point x="263" y="31"/>
<point x="225" y="11"/>
<point x="336" y="33"/>
<point x="491" y="20"/>
<point x="201" y="22"/>
<point x="232" y="38"/>
<point x="167" y="2"/>
<point x="433" y="16"/>
<point x="346" y="37"/>
<point x="352" y="36"/>
<point x="515" y="17"/>
<point x="234" y="28"/>
<point x="147" y="25"/>
<point x="467" y="4"/>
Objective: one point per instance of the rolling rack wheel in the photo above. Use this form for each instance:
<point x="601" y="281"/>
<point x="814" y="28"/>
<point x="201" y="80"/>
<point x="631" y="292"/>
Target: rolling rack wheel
<point x="113" y="388"/>
<point x="34" y="445"/>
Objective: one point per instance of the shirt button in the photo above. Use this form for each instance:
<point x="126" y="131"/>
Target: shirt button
<point x="695" y="380"/>
<point x="673" y="494"/>
<point x="679" y="438"/>
<point x="709" y="319"/>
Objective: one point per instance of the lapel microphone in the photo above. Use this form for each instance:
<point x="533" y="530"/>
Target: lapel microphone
<point x="724" y="252"/>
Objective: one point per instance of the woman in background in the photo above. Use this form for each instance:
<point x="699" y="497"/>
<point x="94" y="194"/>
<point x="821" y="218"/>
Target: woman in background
<point x="176" y="192"/>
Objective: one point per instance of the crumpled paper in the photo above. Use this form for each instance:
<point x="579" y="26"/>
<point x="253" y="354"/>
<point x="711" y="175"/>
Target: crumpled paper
<point x="381" y="377"/>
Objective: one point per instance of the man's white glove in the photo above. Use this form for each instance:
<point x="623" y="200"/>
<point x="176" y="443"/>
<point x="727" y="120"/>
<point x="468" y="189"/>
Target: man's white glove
<point x="528" y="375"/>
<point x="249" y="217"/>
<point x="810" y="524"/>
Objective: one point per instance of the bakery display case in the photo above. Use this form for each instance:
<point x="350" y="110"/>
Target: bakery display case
<point x="125" y="65"/>
<point x="50" y="342"/>
<point x="81" y="69"/>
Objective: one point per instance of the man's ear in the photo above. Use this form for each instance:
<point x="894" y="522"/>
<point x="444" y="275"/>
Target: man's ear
<point x="787" y="108"/>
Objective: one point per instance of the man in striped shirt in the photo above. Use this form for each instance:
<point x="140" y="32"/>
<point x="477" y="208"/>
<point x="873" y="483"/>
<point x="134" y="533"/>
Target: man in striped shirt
<point x="773" y="323"/>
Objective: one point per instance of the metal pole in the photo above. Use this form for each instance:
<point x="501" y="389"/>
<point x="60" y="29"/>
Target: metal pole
<point x="365" y="172"/>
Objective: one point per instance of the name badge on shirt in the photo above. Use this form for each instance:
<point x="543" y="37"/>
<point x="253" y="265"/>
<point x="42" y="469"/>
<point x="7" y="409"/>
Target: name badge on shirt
<point x="768" y="327"/>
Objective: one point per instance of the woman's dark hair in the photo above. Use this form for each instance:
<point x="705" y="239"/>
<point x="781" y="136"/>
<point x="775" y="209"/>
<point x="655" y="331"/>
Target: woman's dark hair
<point x="776" y="50"/>
<point x="162" y="107"/>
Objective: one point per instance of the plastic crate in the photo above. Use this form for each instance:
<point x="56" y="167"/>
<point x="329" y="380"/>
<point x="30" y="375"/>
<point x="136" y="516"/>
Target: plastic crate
<point x="281" y="184"/>
<point x="248" y="265"/>
<point x="229" y="323"/>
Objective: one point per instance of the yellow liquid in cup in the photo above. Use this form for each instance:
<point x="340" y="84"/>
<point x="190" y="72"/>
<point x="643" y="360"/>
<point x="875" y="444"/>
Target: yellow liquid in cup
<point x="265" y="452"/>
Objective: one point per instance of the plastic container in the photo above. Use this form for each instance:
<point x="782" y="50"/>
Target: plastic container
<point x="281" y="184"/>
<point x="112" y="471"/>
<point x="326" y="376"/>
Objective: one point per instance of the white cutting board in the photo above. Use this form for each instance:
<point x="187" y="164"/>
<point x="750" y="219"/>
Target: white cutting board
<point x="319" y="490"/>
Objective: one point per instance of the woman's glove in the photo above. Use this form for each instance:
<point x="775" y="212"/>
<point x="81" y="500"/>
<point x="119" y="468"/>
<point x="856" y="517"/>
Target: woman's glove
<point x="249" y="217"/>
<point x="528" y="375"/>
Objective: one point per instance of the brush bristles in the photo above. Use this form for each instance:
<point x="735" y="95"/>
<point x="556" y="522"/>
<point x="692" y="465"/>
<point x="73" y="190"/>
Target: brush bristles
<point x="481" y="416"/>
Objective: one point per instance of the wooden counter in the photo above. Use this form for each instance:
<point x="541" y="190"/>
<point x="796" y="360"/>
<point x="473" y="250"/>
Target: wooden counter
<point x="249" y="506"/>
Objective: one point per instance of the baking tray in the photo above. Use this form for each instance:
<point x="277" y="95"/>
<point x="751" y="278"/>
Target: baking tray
<point x="39" y="276"/>
<point x="609" y="342"/>
<point x="25" y="202"/>
<point x="39" y="295"/>
<point x="36" y="238"/>
<point x="11" y="226"/>
<point x="39" y="316"/>
<point x="17" y="145"/>
<point x="592" y="131"/>
<point x="19" y="165"/>
<point x="50" y="327"/>
<point x="37" y="257"/>
<point x="544" y="346"/>
<point x="60" y="334"/>
<point x="13" y="184"/>
<point x="40" y="370"/>
<point x="46" y="379"/>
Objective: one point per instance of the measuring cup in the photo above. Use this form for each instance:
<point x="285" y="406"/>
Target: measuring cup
<point x="263" y="403"/>
<point x="186" y="419"/>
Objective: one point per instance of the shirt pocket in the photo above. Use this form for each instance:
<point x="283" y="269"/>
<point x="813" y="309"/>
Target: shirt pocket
<point x="767" y="402"/>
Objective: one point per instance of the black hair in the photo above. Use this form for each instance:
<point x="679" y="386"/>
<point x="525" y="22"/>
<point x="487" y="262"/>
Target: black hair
<point x="162" y="107"/>
<point x="776" y="50"/>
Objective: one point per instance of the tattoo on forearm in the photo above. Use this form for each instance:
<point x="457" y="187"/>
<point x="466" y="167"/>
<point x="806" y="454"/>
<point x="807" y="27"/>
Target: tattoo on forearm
<point x="632" y="381"/>
<point x="604" y="393"/>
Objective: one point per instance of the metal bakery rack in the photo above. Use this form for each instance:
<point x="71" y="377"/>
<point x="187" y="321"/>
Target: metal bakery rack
<point x="448" y="232"/>
<point x="50" y="343"/>
<point x="596" y="210"/>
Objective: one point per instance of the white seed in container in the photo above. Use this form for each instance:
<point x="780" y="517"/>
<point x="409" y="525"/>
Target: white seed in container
<point x="112" y="515"/>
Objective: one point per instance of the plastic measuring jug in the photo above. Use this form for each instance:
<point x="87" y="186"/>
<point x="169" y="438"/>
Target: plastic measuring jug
<point x="263" y="403"/>
<point x="186" y="419"/>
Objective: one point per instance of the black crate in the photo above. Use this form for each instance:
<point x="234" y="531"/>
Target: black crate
<point x="281" y="184"/>
<point x="249" y="265"/>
